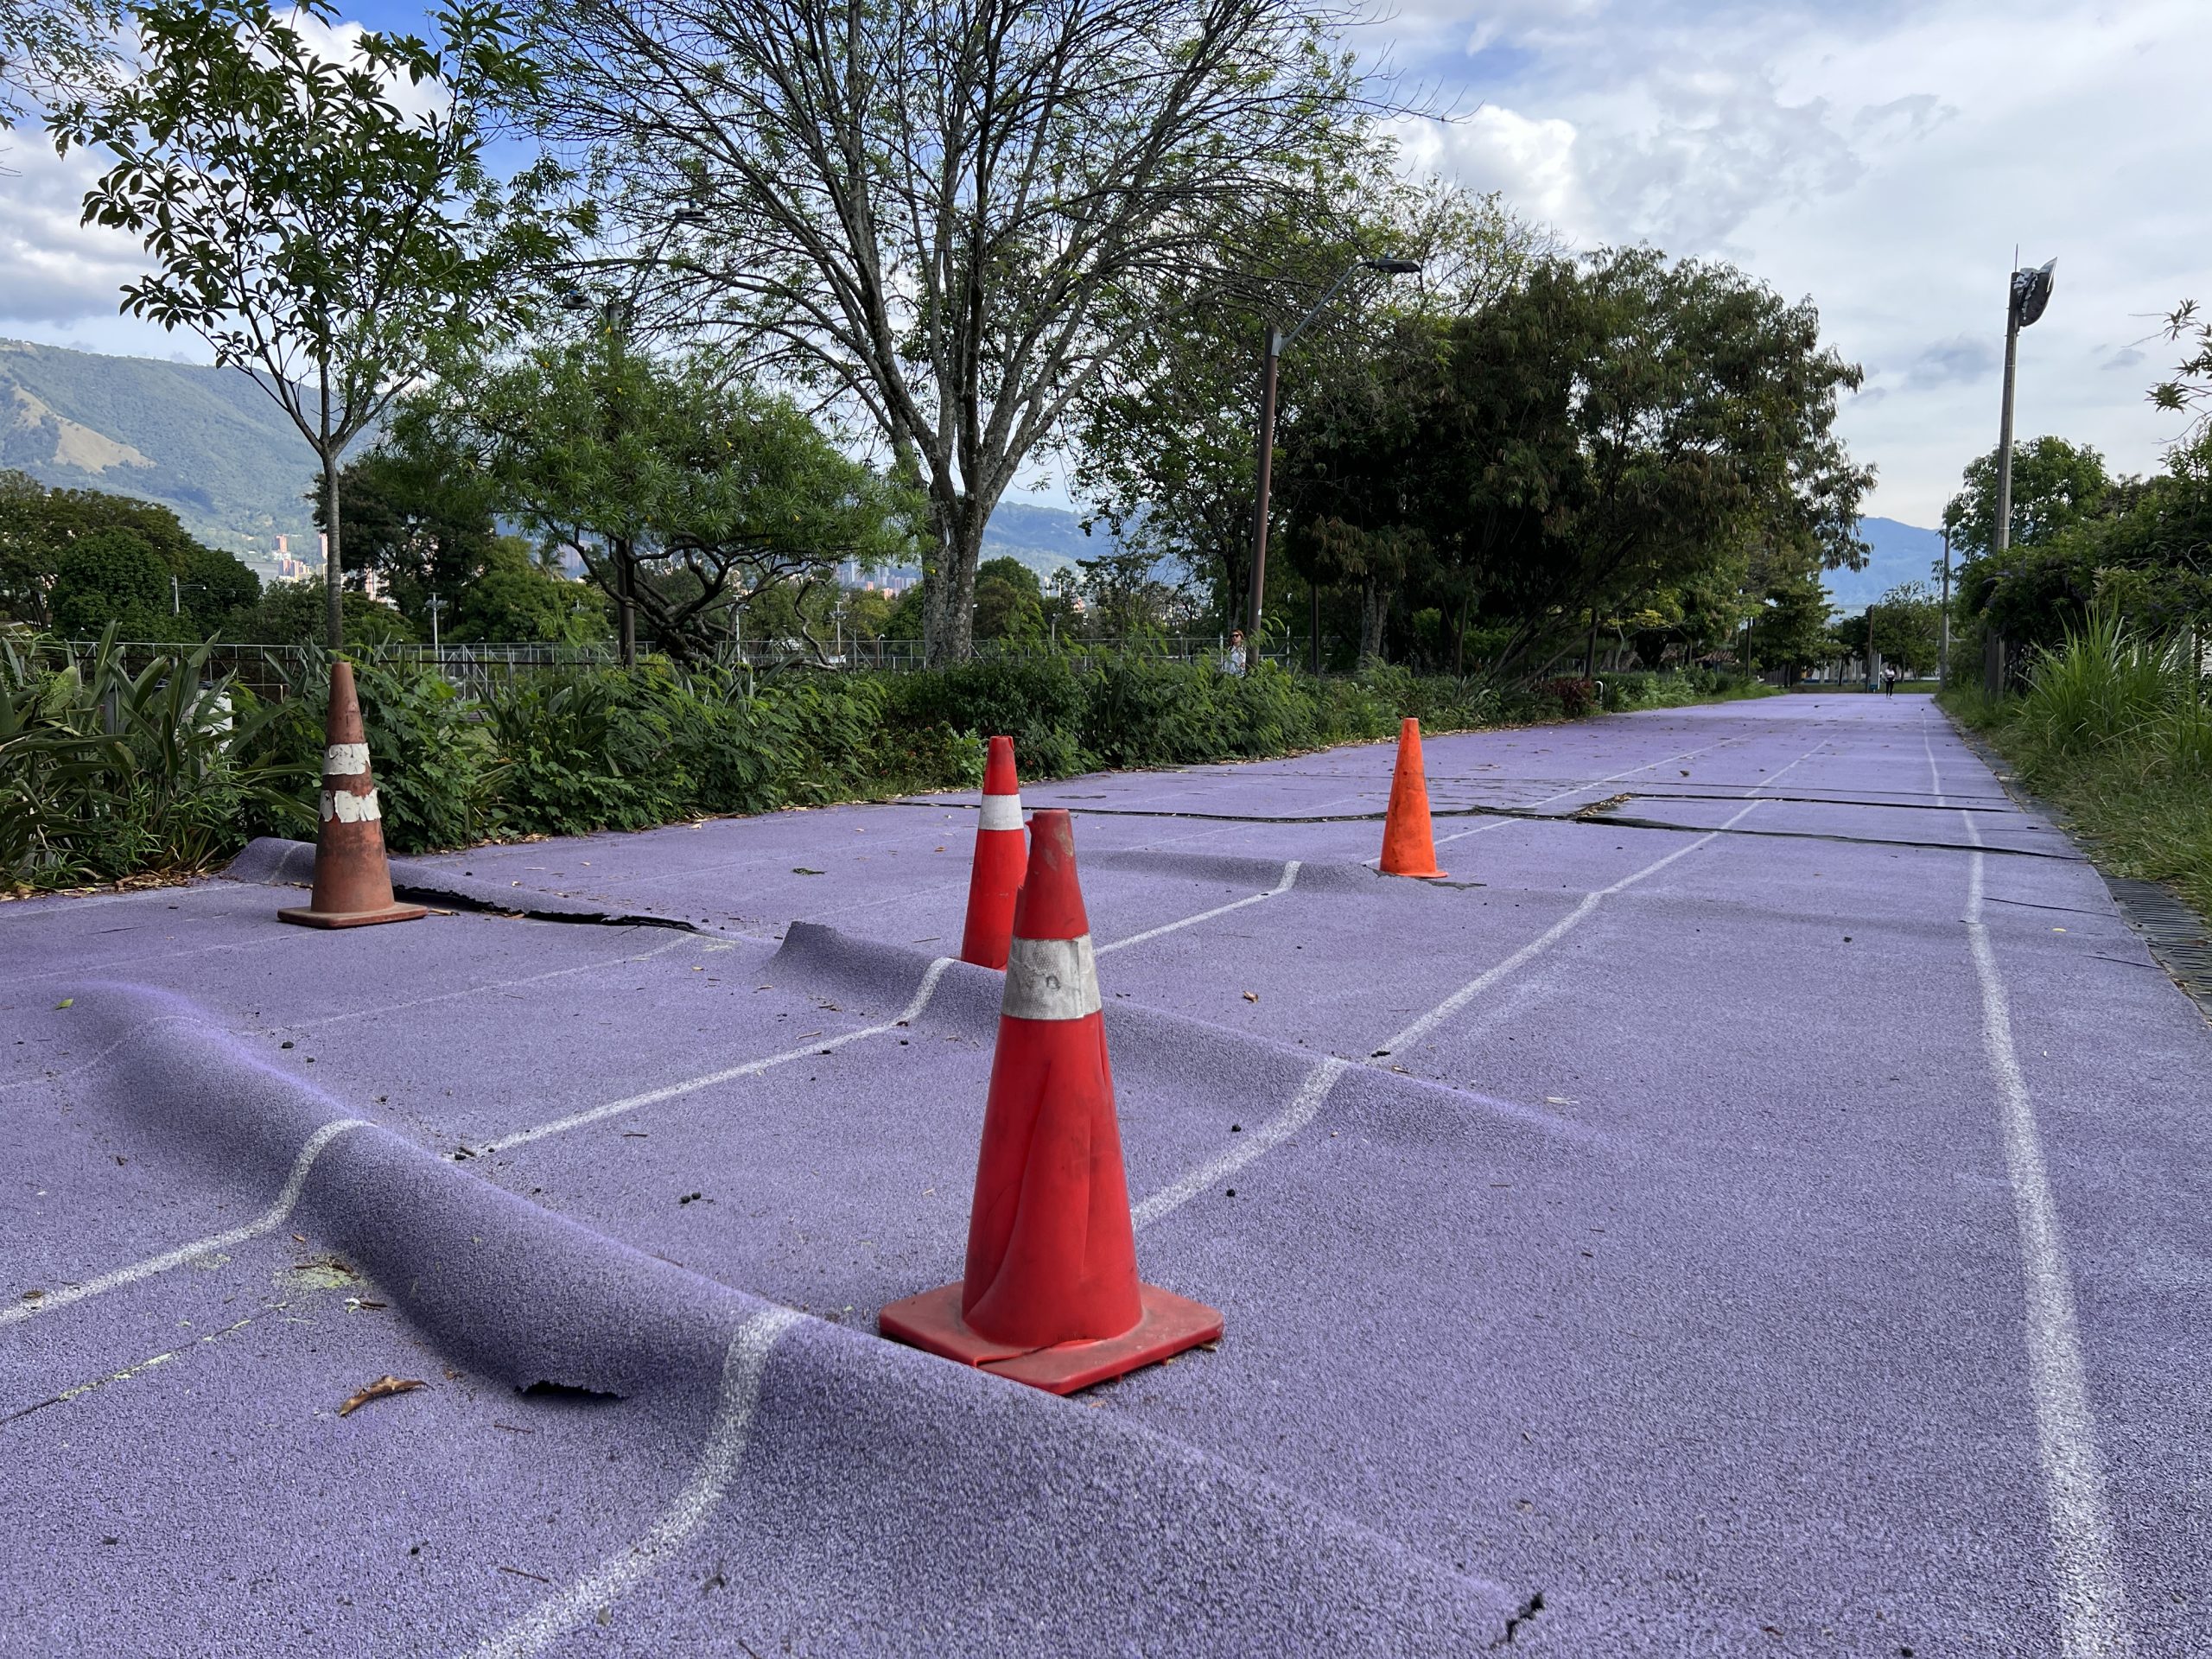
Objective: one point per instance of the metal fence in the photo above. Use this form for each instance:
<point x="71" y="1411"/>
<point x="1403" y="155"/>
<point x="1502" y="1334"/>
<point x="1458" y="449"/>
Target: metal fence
<point x="271" y="671"/>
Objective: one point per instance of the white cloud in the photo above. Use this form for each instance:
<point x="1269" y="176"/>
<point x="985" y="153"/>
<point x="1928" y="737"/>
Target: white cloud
<point x="1883" y="159"/>
<point x="60" y="279"/>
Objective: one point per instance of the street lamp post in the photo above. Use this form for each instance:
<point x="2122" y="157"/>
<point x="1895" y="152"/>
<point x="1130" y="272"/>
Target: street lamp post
<point x="2029" y="293"/>
<point x="1273" y="345"/>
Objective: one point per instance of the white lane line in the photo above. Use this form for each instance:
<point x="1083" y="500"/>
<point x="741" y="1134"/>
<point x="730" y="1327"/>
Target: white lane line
<point x="123" y="1041"/>
<point x="742" y="1369"/>
<point x="1536" y="947"/>
<point x="1290" y="869"/>
<point x="1312" y="1092"/>
<point x="749" y="1069"/>
<point x="138" y="1031"/>
<point x="269" y="1222"/>
<point x="127" y="1372"/>
<point x="93" y="969"/>
<point x="16" y="911"/>
<point x="378" y="1010"/>
<point x="1576" y="789"/>
<point x="2092" y="1613"/>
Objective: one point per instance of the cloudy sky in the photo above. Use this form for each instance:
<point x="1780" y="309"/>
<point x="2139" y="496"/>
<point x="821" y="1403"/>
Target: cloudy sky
<point x="1882" y="158"/>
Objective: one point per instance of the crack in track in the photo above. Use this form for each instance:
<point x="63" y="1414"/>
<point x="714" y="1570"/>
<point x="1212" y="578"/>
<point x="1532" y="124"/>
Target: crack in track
<point x="1527" y="1611"/>
<point x="1607" y="820"/>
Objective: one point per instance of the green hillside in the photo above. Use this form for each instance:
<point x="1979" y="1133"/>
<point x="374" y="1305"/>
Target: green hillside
<point x="205" y="442"/>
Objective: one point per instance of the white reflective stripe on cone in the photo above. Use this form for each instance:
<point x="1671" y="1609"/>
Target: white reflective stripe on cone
<point x="345" y="759"/>
<point x="1051" y="979"/>
<point x="347" y="807"/>
<point x="1002" y="811"/>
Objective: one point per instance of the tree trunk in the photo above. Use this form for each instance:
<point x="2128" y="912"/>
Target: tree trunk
<point x="334" y="569"/>
<point x="626" y="600"/>
<point x="949" y="600"/>
<point x="1374" y="611"/>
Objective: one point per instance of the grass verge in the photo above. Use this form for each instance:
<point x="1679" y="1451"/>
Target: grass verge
<point x="2114" y="733"/>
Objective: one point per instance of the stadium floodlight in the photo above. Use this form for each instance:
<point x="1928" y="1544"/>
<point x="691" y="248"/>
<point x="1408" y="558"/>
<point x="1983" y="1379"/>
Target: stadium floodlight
<point x="2026" y="296"/>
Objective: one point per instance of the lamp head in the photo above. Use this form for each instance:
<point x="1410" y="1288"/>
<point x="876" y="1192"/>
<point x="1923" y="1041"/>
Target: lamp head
<point x="2031" y="292"/>
<point x="1391" y="266"/>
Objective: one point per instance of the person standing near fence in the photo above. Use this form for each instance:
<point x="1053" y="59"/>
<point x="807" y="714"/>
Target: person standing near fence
<point x="1889" y="679"/>
<point x="1233" y="660"/>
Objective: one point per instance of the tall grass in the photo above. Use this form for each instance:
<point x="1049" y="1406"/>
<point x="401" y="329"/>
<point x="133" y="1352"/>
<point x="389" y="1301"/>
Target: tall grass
<point x="2115" y="728"/>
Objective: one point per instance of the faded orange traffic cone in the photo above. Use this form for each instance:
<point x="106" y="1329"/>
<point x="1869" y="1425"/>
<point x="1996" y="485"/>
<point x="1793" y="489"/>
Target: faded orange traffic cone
<point x="1001" y="854"/>
<point x="353" y="881"/>
<point x="1409" y="849"/>
<point x="1051" y="1297"/>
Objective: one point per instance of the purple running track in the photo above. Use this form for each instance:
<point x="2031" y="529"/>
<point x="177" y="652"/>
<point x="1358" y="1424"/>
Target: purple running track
<point x="1761" y="1215"/>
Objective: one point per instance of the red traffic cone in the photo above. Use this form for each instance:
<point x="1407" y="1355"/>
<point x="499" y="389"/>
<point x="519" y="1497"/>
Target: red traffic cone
<point x="1408" y="846"/>
<point x="352" y="883"/>
<point x="1001" y="854"/>
<point x="1052" y="1296"/>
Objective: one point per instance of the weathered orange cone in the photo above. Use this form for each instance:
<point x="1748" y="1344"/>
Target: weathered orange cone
<point x="352" y="883"/>
<point x="1408" y="846"/>
<point x="1052" y="1297"/>
<point x="1001" y="854"/>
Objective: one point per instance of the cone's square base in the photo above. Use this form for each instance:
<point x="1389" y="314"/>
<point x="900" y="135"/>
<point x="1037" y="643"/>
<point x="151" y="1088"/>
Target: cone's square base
<point x="1421" y="875"/>
<point x="307" y="916"/>
<point x="1170" y="1323"/>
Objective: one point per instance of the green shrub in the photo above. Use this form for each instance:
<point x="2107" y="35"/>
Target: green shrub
<point x="103" y="773"/>
<point x="1038" y="701"/>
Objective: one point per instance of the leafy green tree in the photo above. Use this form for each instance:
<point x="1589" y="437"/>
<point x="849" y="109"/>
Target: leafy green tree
<point x="1907" y="623"/>
<point x="1703" y="410"/>
<point x="37" y="525"/>
<point x="1123" y="597"/>
<point x="510" y="597"/>
<point x="718" y="491"/>
<point x="293" y="613"/>
<point x="907" y="619"/>
<point x="2187" y="391"/>
<point x="27" y="545"/>
<point x="2055" y="484"/>
<point x="1165" y="448"/>
<point x="111" y="575"/>
<point x="54" y="50"/>
<point x="1606" y="433"/>
<point x="319" y="236"/>
<point x="1792" y="629"/>
<point x="1009" y="601"/>
<point x="419" y="521"/>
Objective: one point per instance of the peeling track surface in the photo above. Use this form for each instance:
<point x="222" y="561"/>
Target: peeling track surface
<point x="1772" y="1225"/>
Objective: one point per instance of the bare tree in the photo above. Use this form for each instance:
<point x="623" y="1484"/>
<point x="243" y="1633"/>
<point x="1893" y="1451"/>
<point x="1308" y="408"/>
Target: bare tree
<point x="946" y="215"/>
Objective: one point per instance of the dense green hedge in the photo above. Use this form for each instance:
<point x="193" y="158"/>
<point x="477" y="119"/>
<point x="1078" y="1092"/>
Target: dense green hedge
<point x="202" y="763"/>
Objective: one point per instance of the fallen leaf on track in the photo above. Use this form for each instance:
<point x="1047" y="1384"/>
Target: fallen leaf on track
<point x="1251" y="996"/>
<point x="66" y="1002"/>
<point x="378" y="1390"/>
<point x="801" y="869"/>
